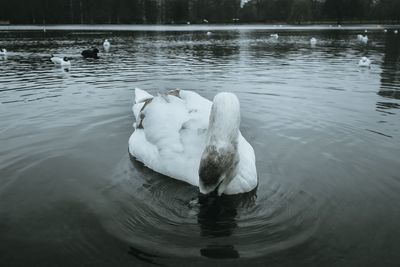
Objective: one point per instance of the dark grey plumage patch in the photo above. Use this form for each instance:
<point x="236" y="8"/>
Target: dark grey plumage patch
<point x="146" y="102"/>
<point x="141" y="114"/>
<point x="216" y="163"/>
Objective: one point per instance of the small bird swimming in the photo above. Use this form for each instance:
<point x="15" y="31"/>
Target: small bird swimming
<point x="364" y="62"/>
<point x="364" y="39"/>
<point x="106" y="44"/>
<point x="313" y="41"/>
<point x="64" y="62"/>
<point x="90" y="53"/>
<point x="275" y="35"/>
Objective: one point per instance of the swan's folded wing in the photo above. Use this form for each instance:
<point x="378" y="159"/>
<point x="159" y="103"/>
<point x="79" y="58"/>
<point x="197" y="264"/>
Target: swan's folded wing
<point x="171" y="138"/>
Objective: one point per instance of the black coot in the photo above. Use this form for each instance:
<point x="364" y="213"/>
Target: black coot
<point x="90" y="53"/>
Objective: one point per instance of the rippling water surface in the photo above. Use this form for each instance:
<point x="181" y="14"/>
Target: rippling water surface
<point x="325" y="132"/>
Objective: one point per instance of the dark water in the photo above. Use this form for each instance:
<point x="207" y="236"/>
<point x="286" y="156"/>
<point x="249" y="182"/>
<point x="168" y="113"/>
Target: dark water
<point x="325" y="132"/>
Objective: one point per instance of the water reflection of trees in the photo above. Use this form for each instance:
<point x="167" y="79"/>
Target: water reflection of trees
<point x="390" y="76"/>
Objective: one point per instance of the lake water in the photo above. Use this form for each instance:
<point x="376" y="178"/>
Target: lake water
<point x="325" y="133"/>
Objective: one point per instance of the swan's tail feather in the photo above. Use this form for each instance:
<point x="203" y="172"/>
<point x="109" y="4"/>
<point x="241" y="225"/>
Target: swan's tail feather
<point x="141" y="95"/>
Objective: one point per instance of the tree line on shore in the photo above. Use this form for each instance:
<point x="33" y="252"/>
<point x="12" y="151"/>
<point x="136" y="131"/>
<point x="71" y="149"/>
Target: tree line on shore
<point x="196" y="11"/>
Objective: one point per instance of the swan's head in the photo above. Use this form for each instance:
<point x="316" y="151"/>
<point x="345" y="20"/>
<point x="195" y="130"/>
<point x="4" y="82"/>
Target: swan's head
<point x="220" y="157"/>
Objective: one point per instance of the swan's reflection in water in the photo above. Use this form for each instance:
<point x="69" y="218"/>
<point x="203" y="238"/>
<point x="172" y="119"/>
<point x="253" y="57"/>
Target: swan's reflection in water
<point x="220" y="252"/>
<point x="160" y="217"/>
<point x="217" y="217"/>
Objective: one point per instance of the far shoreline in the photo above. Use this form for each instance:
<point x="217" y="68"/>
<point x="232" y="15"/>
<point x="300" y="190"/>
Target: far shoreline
<point x="192" y="27"/>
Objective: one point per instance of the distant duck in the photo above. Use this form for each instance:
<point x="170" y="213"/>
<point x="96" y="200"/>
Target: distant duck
<point x="63" y="62"/>
<point x="209" y="33"/>
<point x="364" y="62"/>
<point x="90" y="53"/>
<point x="313" y="41"/>
<point x="385" y="31"/>
<point x="364" y="39"/>
<point x="396" y="31"/>
<point x="3" y="52"/>
<point x="106" y="44"/>
<point x="274" y="35"/>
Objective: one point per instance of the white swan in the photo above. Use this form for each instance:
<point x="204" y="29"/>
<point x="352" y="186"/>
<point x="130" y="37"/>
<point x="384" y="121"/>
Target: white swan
<point x="313" y="41"/>
<point x="106" y="44"/>
<point x="274" y="35"/>
<point x="64" y="62"/>
<point x="3" y="52"/>
<point x="187" y="137"/>
<point x="364" y="62"/>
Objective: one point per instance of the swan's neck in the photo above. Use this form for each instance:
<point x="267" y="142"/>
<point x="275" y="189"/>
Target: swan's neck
<point x="220" y="157"/>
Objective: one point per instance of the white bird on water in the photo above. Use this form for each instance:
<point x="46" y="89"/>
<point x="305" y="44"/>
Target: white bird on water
<point x="3" y="52"/>
<point x="363" y="39"/>
<point x="187" y="137"/>
<point x="313" y="41"/>
<point x="106" y="44"/>
<point x="209" y="33"/>
<point x="63" y="62"/>
<point x="274" y="35"/>
<point x="364" y="62"/>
